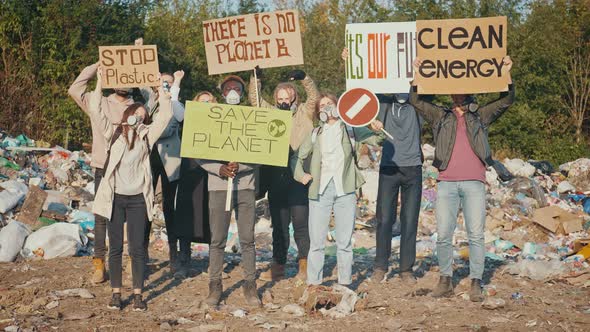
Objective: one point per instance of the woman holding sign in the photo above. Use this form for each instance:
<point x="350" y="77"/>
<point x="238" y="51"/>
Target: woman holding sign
<point x="126" y="194"/>
<point x="327" y="161"/>
<point x="462" y="155"/>
<point x="287" y="198"/>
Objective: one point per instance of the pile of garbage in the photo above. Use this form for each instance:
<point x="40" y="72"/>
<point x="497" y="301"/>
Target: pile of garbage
<point x="537" y="222"/>
<point x="46" y="197"/>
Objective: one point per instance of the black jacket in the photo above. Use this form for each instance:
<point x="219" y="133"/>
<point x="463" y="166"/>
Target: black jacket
<point x="444" y="126"/>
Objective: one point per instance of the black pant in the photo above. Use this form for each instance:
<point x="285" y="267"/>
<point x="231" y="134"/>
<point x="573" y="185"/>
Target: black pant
<point x="391" y="180"/>
<point x="100" y="222"/>
<point x="168" y="198"/>
<point x="288" y="201"/>
<point x="133" y="210"/>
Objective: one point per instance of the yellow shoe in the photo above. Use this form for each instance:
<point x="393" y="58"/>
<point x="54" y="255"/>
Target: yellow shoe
<point x="302" y="273"/>
<point x="100" y="273"/>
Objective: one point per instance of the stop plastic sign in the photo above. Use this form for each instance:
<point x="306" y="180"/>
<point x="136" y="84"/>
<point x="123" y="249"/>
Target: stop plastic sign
<point x="358" y="107"/>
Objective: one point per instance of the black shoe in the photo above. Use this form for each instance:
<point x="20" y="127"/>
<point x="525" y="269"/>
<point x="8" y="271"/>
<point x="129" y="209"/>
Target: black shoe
<point x="138" y="303"/>
<point x="184" y="260"/>
<point x="379" y="275"/>
<point x="115" y="303"/>
<point x="173" y="264"/>
<point x="250" y="294"/>
<point x="408" y="278"/>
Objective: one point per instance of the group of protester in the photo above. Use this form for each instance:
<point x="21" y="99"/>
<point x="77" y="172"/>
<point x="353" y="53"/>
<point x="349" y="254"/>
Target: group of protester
<point x="137" y="145"/>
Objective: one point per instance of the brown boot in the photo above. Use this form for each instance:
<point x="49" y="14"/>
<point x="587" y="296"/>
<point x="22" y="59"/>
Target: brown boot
<point x="250" y="294"/>
<point x="302" y="273"/>
<point x="444" y="288"/>
<point x="215" y="292"/>
<point x="475" y="294"/>
<point x="275" y="273"/>
<point x="100" y="273"/>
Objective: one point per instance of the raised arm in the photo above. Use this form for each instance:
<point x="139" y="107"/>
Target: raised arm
<point x="492" y="111"/>
<point x="155" y="130"/>
<point x="78" y="89"/>
<point x="311" y="90"/>
<point x="95" y="111"/>
<point x="177" y="106"/>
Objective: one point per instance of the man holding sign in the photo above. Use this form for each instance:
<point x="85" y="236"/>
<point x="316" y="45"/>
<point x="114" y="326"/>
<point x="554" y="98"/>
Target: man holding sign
<point x="462" y="149"/>
<point x="215" y="132"/>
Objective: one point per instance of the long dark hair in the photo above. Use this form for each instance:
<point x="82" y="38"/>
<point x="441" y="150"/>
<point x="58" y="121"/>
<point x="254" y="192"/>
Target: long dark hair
<point x="125" y="128"/>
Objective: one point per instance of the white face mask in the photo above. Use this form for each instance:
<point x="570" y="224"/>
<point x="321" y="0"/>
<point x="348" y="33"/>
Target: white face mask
<point x="233" y="97"/>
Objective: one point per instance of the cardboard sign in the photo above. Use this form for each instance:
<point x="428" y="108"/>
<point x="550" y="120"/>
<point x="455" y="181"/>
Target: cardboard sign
<point x="129" y="66"/>
<point x="240" y="43"/>
<point x="462" y="56"/>
<point x="236" y="133"/>
<point x="380" y="56"/>
<point x="358" y="107"/>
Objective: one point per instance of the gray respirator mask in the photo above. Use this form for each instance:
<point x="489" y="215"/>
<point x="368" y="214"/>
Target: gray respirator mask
<point x="327" y="111"/>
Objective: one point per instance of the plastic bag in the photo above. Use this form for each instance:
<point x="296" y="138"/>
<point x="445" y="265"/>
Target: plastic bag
<point x="13" y="192"/>
<point x="12" y="238"/>
<point x="543" y="166"/>
<point x="57" y="240"/>
<point x="537" y="270"/>
<point x="519" y="167"/>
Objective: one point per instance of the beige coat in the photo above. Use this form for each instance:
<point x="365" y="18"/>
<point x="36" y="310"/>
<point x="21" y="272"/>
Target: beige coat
<point x="302" y="117"/>
<point x="103" y="201"/>
<point x="109" y="106"/>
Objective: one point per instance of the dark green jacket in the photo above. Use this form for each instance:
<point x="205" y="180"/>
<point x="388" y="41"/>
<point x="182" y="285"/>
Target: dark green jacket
<point x="444" y="126"/>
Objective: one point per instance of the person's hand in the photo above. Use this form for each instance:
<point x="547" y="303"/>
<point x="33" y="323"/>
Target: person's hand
<point x="376" y="125"/>
<point x="229" y="170"/>
<point x="507" y="64"/>
<point x="296" y="74"/>
<point x="258" y="71"/>
<point x="139" y="41"/>
<point x="225" y="172"/>
<point x="99" y="77"/>
<point x="506" y="67"/>
<point x="345" y="54"/>
<point x="306" y="178"/>
<point x="417" y="63"/>
<point x="234" y="166"/>
<point x="178" y="75"/>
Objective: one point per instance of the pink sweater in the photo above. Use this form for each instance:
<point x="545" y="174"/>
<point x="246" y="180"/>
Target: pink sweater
<point x="464" y="164"/>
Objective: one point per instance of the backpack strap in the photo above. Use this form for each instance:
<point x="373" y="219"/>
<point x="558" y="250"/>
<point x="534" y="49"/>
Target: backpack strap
<point x="114" y="138"/>
<point x="352" y="141"/>
<point x="314" y="134"/>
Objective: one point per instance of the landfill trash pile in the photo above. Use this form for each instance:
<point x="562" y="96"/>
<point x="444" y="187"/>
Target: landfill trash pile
<point x="537" y="224"/>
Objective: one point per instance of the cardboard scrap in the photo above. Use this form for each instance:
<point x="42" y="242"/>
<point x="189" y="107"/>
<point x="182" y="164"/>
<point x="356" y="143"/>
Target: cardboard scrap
<point x="557" y="220"/>
<point x="33" y="206"/>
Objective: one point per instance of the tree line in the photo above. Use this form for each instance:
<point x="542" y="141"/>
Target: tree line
<point x="45" y="44"/>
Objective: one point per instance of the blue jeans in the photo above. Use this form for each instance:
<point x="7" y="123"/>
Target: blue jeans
<point x="471" y="195"/>
<point x="319" y="225"/>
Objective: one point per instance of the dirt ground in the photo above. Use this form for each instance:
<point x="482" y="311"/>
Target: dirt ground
<point x="26" y="293"/>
